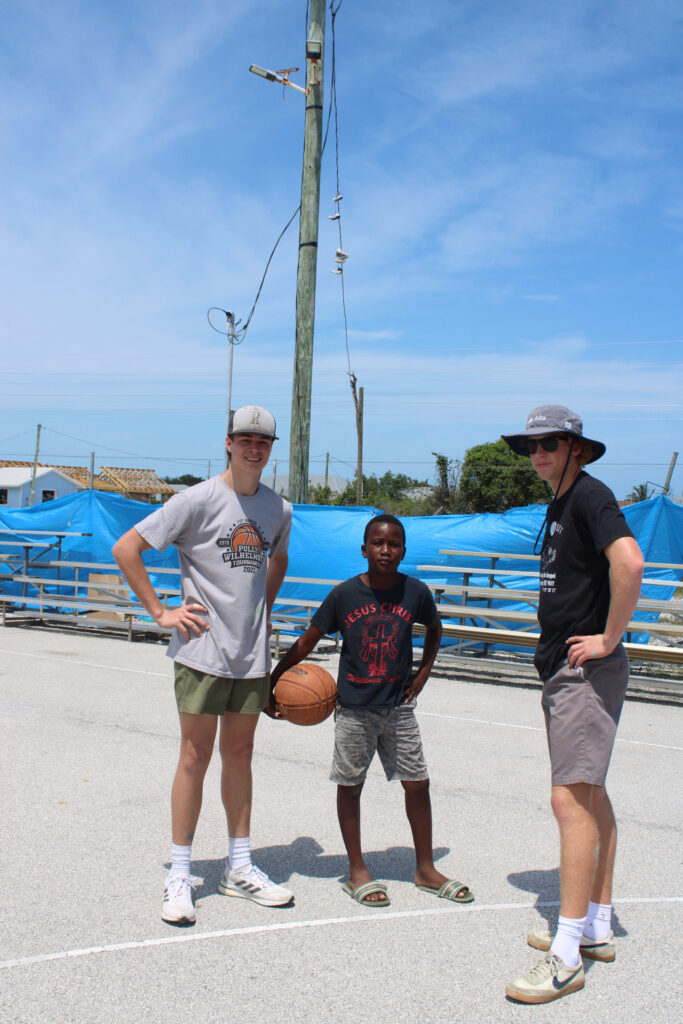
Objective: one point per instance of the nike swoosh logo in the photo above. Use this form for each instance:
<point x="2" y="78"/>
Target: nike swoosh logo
<point x="559" y="985"/>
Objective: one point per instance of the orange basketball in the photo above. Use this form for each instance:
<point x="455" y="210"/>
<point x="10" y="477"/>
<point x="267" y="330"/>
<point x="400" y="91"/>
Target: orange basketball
<point x="245" y="535"/>
<point x="305" y="694"/>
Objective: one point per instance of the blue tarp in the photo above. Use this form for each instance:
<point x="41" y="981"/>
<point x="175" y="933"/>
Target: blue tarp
<point x="326" y="540"/>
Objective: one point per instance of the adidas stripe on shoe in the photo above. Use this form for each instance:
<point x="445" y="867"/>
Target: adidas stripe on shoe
<point x="253" y="884"/>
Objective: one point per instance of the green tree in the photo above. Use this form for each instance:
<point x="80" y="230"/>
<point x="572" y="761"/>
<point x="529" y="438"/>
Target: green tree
<point x="445" y="493"/>
<point x="318" y="494"/>
<point x="188" y="479"/>
<point x="392" y="492"/>
<point x="493" y="478"/>
<point x="640" y="493"/>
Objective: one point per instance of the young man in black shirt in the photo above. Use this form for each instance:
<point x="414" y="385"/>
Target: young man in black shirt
<point x="590" y="576"/>
<point x="377" y="690"/>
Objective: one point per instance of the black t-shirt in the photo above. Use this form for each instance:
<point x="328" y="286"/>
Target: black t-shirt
<point x="376" y="626"/>
<point x="574" y="580"/>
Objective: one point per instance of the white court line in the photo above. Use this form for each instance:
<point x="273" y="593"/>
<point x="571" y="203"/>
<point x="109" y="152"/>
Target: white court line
<point x="292" y="925"/>
<point x="428" y="714"/>
<point x="88" y="664"/>
<point x="534" y="728"/>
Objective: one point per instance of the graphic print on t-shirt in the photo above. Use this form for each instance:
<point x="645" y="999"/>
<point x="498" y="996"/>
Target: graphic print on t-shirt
<point x="376" y="626"/>
<point x="378" y="647"/>
<point x="377" y="639"/>
<point x="548" y="575"/>
<point x="244" y="546"/>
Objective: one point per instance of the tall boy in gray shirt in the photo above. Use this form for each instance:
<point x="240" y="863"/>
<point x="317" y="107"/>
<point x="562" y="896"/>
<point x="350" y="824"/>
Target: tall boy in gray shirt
<point x="231" y="533"/>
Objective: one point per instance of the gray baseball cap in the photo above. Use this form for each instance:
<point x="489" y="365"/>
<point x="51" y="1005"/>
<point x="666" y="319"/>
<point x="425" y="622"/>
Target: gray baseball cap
<point x="553" y="419"/>
<point x="253" y="419"/>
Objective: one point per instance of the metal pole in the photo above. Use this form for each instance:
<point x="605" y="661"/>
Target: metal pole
<point x="35" y="466"/>
<point x="92" y="470"/>
<point x="274" y="472"/>
<point x="327" y="467"/>
<point x="300" y="431"/>
<point x="228" y="411"/>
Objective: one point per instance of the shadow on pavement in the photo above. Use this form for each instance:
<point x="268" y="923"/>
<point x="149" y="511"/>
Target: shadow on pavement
<point x="305" y="856"/>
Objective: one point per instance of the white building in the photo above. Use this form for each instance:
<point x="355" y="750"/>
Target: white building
<point x="280" y="482"/>
<point x="15" y="486"/>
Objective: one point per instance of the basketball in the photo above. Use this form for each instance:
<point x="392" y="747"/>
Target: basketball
<point x="305" y="694"/>
<point x="245" y="536"/>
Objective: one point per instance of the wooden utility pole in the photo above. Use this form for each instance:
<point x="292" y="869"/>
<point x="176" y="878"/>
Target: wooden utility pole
<point x="92" y="471"/>
<point x="327" y="468"/>
<point x="228" y="400"/>
<point x="35" y="466"/>
<point x="300" y="430"/>
<point x="672" y="464"/>
<point x="359" y="460"/>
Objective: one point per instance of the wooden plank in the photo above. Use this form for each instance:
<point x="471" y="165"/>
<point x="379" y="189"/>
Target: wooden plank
<point x="309" y="579"/>
<point x="480" y="571"/>
<point x="106" y="566"/>
<point x="44" y="533"/>
<point x="27" y="543"/>
<point x="464" y="611"/>
<point x="492" y="554"/>
<point x="531" y="596"/>
<point x="465" y="571"/>
<point x="520" y="638"/>
<point x="513" y="556"/>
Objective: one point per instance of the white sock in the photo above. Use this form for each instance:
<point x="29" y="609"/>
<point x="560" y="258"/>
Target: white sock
<point x="599" y="921"/>
<point x="567" y="939"/>
<point x="239" y="852"/>
<point x="180" y="860"/>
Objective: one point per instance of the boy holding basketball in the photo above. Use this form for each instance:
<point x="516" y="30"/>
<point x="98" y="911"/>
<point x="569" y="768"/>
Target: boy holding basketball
<point x="231" y="533"/>
<point x="377" y="692"/>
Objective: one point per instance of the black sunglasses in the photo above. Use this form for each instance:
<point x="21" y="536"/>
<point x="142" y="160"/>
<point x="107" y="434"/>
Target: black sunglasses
<point x="548" y="444"/>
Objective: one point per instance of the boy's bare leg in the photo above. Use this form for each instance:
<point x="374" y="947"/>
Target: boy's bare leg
<point x="578" y="846"/>
<point x="603" y="815"/>
<point x="197" y="735"/>
<point x="348" y="812"/>
<point x="419" y="812"/>
<point x="236" y="746"/>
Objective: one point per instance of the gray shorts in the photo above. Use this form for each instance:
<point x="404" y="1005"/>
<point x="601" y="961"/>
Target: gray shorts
<point x="582" y="708"/>
<point x="198" y="693"/>
<point x="392" y="732"/>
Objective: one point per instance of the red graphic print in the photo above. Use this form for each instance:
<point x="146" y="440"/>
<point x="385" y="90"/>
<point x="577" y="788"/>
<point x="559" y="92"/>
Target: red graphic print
<point x="379" y="644"/>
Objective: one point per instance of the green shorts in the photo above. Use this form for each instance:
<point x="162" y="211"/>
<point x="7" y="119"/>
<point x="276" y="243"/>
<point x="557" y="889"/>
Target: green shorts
<point x="198" y="693"/>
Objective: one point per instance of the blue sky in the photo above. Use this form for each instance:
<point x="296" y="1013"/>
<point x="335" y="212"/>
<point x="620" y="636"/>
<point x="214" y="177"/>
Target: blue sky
<point x="513" y="214"/>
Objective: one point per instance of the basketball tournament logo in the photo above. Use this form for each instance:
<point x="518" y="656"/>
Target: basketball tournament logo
<point x="244" y="547"/>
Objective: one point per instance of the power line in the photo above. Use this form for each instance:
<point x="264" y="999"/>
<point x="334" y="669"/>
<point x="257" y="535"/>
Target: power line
<point x="15" y="436"/>
<point x="333" y="104"/>
<point x="201" y="459"/>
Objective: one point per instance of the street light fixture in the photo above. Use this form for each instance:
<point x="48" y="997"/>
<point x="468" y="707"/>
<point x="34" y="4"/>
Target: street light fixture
<point x="272" y="76"/>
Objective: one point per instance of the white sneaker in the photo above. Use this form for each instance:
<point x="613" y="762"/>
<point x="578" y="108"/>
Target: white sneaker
<point x="178" y="907"/>
<point x="603" y="950"/>
<point x="549" y="979"/>
<point x="253" y="884"/>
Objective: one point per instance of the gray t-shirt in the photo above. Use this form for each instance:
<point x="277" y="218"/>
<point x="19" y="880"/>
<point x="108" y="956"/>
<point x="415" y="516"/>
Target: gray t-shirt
<point x="224" y="540"/>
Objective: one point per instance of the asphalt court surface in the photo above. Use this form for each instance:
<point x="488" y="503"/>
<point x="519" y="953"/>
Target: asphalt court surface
<point x="87" y="760"/>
